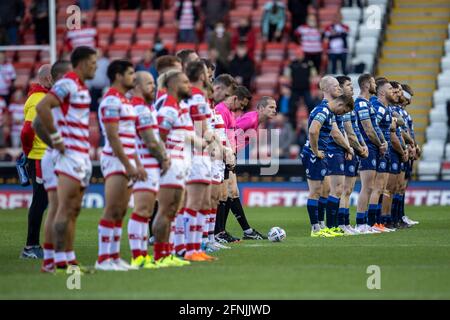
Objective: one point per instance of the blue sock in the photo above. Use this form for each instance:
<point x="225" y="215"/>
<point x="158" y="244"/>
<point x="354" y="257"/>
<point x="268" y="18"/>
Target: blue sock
<point x="394" y="208"/>
<point x="372" y="214"/>
<point x="322" y="206"/>
<point x="378" y="216"/>
<point x="347" y="216"/>
<point x="387" y="219"/>
<point x="341" y="217"/>
<point x="360" y="218"/>
<point x="312" y="206"/>
<point x="332" y="211"/>
<point x="401" y="203"/>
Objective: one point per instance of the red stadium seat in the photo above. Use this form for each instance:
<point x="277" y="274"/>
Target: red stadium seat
<point x="145" y="35"/>
<point x="292" y="48"/>
<point x="44" y="56"/>
<point x="181" y="46"/>
<point x="104" y="36"/>
<point x="275" y="51"/>
<point x="239" y="14"/>
<point x="168" y="35"/>
<point x="22" y="81"/>
<point x="27" y="56"/>
<point x="244" y="4"/>
<point x="137" y="52"/>
<point x="10" y="55"/>
<point x="23" y="67"/>
<point x="259" y="51"/>
<point x="203" y="50"/>
<point x="168" y="17"/>
<point x="257" y="17"/>
<point x="270" y="67"/>
<point x="117" y="51"/>
<point x="123" y="36"/>
<point x="265" y="84"/>
<point x="106" y="18"/>
<point x="29" y="37"/>
<point x="128" y="18"/>
<point x="150" y="18"/>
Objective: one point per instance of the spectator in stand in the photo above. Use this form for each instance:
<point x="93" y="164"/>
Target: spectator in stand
<point x="220" y="68"/>
<point x="17" y="117"/>
<point x="310" y="39"/>
<point x="273" y="21"/>
<point x="39" y="13"/>
<point x="158" y="48"/>
<point x="220" y="40"/>
<point x="11" y="15"/>
<point x="300" y="73"/>
<point x="243" y="33"/>
<point x="7" y="77"/>
<point x="336" y="34"/>
<point x="146" y="63"/>
<point x="286" y="103"/>
<point x="4" y="123"/>
<point x="214" y="12"/>
<point x="100" y="82"/>
<point x="188" y="21"/>
<point x="86" y="36"/>
<point x="242" y="68"/>
<point x="286" y="134"/>
<point x="299" y="12"/>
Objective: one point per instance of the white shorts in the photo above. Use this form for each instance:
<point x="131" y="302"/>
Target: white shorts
<point x="217" y="172"/>
<point x="111" y="165"/>
<point x="152" y="182"/>
<point x="200" y="170"/>
<point x="177" y="174"/>
<point x="74" y="165"/>
<point x="48" y="171"/>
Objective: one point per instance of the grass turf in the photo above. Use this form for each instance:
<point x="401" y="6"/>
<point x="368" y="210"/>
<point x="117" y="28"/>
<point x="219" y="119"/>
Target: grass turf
<point x="415" y="264"/>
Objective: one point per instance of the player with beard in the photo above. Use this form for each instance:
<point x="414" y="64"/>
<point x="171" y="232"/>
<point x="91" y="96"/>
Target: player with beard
<point x="367" y="124"/>
<point x="177" y="131"/>
<point x="119" y="161"/>
<point x="351" y="166"/>
<point x="70" y="141"/>
<point x="155" y="161"/>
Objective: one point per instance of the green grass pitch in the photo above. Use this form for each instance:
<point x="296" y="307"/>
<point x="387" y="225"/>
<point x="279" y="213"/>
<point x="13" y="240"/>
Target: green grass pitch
<point x="415" y="264"/>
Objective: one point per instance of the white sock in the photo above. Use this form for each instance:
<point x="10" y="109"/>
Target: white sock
<point x="212" y="224"/>
<point x="60" y="258"/>
<point x="70" y="255"/>
<point x="105" y="239"/>
<point x="144" y="241"/>
<point x="115" y="245"/>
<point x="190" y="217"/>
<point x="201" y="225"/>
<point x="179" y="240"/>
<point x="135" y="234"/>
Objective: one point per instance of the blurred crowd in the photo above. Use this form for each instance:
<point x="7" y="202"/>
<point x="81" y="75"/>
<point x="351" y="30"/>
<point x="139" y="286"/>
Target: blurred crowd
<point x="231" y="49"/>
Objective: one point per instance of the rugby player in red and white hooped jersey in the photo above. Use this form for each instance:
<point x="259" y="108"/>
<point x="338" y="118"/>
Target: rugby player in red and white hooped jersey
<point x="155" y="161"/>
<point x="119" y="161"/>
<point x="198" y="185"/>
<point x="177" y="131"/>
<point x="70" y="139"/>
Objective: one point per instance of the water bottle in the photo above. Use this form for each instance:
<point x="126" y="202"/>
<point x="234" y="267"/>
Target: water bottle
<point x="22" y="170"/>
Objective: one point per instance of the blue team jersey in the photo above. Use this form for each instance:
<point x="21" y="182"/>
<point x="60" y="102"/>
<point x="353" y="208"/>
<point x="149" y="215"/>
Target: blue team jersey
<point x="333" y="147"/>
<point x="408" y="123"/>
<point x="364" y="111"/>
<point x="351" y="116"/>
<point x="384" y="119"/>
<point x="323" y="114"/>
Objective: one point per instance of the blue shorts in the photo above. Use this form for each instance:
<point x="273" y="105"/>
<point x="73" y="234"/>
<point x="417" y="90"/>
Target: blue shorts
<point x="316" y="169"/>
<point x="395" y="166"/>
<point x="369" y="163"/>
<point x="402" y="166"/>
<point x="351" y="167"/>
<point x="336" y="164"/>
<point x="383" y="163"/>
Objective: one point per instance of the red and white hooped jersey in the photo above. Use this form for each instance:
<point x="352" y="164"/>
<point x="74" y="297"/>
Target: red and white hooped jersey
<point x="219" y="126"/>
<point x="161" y="96"/>
<point x="72" y="117"/>
<point x="146" y="119"/>
<point x="115" y="107"/>
<point x="176" y="122"/>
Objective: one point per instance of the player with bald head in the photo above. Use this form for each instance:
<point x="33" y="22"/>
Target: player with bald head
<point x="153" y="156"/>
<point x="34" y="149"/>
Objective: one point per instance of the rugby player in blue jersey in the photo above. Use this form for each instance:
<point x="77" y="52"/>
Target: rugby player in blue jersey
<point x="350" y="166"/>
<point x="367" y="124"/>
<point x="321" y="125"/>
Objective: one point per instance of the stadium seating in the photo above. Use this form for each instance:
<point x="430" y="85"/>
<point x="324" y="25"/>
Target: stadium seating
<point x="150" y="18"/>
<point x="128" y="18"/>
<point x="106" y="18"/>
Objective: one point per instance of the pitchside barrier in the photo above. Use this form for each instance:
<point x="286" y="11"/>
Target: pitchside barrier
<point x="287" y="189"/>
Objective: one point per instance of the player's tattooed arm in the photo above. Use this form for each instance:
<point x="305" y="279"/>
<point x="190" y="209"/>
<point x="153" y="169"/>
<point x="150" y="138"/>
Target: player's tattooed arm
<point x="407" y="138"/>
<point x="44" y="113"/>
<point x="340" y="139"/>
<point x="313" y="133"/>
<point x="371" y="133"/>
<point x="352" y="138"/>
<point x="155" y="147"/>
<point x="41" y="132"/>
